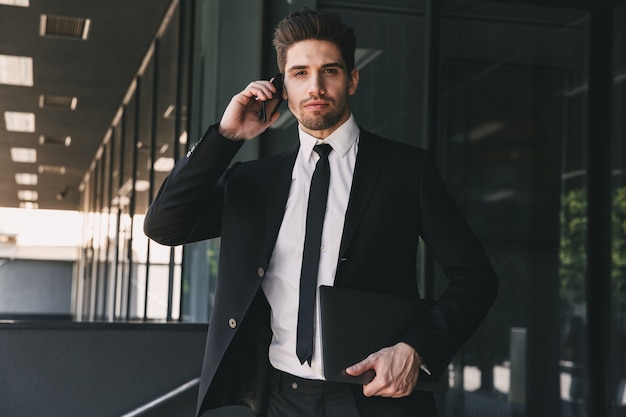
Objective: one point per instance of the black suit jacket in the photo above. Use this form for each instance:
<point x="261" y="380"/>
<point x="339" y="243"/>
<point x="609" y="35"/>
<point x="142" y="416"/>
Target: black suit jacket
<point x="397" y="196"/>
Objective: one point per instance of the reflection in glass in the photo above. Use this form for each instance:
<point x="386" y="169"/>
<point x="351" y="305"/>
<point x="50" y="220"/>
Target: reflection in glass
<point x="618" y="272"/>
<point x="513" y="156"/>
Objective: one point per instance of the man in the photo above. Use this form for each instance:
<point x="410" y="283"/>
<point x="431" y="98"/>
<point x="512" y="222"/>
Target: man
<point x="382" y="195"/>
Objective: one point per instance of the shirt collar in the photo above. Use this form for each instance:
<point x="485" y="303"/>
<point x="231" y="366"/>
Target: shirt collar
<point x="342" y="139"/>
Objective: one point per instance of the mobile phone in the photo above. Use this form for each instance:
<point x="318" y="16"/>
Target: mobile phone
<point x="269" y="107"/>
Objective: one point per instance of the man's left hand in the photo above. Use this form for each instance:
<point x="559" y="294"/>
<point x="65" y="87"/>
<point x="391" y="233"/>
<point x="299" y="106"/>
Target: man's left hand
<point x="397" y="371"/>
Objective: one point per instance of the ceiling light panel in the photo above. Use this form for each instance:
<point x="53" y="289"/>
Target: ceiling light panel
<point x="25" y="179"/>
<point x="28" y="205"/>
<point x="142" y="185"/>
<point x="19" y="121"/>
<point x="27" y="195"/>
<point x="27" y="155"/>
<point x="16" y="70"/>
<point x="64" y="26"/>
<point x="19" y="3"/>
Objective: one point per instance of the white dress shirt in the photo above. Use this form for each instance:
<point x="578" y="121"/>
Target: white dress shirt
<point x="282" y="279"/>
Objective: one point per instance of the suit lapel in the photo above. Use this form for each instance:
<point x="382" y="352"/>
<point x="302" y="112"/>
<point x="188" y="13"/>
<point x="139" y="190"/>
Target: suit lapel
<point x="278" y="185"/>
<point x="369" y="163"/>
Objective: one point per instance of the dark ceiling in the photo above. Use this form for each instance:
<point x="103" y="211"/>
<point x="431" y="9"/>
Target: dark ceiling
<point x="97" y="71"/>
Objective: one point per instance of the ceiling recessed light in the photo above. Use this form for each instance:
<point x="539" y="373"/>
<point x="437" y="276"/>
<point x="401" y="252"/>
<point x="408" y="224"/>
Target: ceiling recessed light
<point x="19" y="3"/>
<point x="19" y="121"/>
<point x="26" y="179"/>
<point x="16" y="70"/>
<point x="28" y="155"/>
<point x="27" y="195"/>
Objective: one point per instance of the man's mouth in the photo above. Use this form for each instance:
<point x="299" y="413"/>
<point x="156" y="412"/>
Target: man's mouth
<point x="316" y="104"/>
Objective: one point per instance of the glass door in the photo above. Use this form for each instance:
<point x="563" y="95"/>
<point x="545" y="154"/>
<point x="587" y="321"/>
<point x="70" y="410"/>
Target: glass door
<point x="512" y="150"/>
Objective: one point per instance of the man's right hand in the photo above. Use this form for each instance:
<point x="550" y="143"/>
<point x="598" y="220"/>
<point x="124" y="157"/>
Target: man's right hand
<point x="241" y="118"/>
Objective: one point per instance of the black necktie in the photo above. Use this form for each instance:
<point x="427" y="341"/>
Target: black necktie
<point x="318" y="195"/>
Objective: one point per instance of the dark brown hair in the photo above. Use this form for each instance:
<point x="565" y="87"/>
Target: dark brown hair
<point x="305" y="24"/>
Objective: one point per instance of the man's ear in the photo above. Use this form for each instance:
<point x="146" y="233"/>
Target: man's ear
<point x="353" y="82"/>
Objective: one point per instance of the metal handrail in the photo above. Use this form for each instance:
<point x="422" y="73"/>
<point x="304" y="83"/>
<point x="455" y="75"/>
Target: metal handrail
<point x="162" y="399"/>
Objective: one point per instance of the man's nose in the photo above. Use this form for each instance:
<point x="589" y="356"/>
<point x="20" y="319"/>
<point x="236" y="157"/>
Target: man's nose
<point x="316" y="86"/>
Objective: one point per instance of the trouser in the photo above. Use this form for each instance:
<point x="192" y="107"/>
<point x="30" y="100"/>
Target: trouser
<point x="291" y="396"/>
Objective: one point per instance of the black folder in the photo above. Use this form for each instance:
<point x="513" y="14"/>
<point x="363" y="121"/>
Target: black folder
<point x="356" y="323"/>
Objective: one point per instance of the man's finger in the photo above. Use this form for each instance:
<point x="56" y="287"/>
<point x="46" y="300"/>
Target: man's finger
<point x="262" y="90"/>
<point x="359" y="368"/>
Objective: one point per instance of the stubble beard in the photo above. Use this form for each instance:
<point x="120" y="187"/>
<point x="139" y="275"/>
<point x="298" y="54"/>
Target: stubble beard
<point x="322" y="121"/>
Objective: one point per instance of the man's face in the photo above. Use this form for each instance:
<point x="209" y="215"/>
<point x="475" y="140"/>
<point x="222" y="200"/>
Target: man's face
<point x="317" y="86"/>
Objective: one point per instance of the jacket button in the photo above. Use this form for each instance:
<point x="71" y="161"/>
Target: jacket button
<point x="232" y="323"/>
<point x="260" y="272"/>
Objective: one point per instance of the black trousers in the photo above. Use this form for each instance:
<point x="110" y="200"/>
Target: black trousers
<point x="291" y="396"/>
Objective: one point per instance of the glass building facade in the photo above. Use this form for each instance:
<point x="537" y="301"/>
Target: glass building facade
<point x="522" y="103"/>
